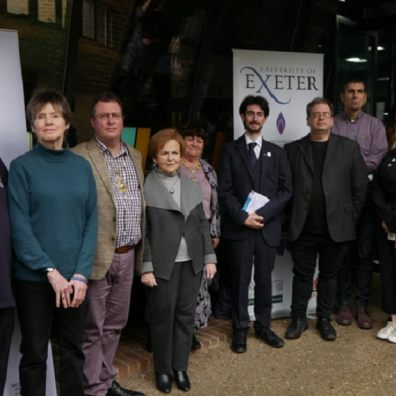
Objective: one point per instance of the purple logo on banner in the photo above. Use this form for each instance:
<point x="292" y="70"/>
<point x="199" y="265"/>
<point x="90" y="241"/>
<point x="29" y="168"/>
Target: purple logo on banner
<point x="280" y="123"/>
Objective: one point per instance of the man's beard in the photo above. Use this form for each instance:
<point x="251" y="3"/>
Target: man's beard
<point x="253" y="131"/>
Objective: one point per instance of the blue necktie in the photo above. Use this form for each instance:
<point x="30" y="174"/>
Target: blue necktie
<point x="252" y="155"/>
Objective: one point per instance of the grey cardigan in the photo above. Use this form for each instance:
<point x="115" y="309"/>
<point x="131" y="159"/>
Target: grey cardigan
<point x="167" y="223"/>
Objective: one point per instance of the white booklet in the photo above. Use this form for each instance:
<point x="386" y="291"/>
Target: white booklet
<point x="254" y="201"/>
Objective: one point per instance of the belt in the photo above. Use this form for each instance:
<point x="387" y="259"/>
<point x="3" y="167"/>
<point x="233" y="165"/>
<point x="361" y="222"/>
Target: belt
<point x="123" y="249"/>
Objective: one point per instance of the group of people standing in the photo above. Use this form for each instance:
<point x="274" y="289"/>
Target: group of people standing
<point x="80" y="228"/>
<point x="335" y="189"/>
<point x="83" y="221"/>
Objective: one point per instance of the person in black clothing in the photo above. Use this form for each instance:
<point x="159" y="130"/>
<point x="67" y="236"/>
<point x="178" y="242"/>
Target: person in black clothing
<point x="329" y="185"/>
<point x="384" y="198"/>
<point x="6" y="298"/>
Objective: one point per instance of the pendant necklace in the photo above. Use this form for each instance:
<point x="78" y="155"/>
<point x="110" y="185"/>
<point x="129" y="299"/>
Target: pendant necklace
<point x="172" y="188"/>
<point x="119" y="181"/>
<point x="193" y="170"/>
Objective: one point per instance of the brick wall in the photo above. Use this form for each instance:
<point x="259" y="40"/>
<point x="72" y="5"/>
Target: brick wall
<point x="43" y="49"/>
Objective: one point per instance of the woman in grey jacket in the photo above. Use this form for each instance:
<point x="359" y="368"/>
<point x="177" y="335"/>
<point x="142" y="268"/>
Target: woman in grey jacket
<point x="177" y="248"/>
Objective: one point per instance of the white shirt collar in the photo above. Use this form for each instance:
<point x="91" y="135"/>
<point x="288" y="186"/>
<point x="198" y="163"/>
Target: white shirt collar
<point x="258" y="141"/>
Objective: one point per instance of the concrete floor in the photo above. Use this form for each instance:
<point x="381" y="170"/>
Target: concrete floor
<point x="355" y="364"/>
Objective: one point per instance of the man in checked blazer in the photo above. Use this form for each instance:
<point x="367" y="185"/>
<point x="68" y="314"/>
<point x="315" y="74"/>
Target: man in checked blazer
<point x="118" y="174"/>
<point x="252" y="164"/>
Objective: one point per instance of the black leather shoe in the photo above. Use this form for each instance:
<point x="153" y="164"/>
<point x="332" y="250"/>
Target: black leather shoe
<point x="296" y="327"/>
<point x="163" y="382"/>
<point x="238" y="343"/>
<point x="117" y="390"/>
<point x="195" y="343"/>
<point x="326" y="330"/>
<point x="269" y="337"/>
<point x="182" y="380"/>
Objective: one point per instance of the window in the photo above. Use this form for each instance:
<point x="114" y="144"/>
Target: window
<point x="18" y="7"/>
<point x="99" y="23"/>
<point x="88" y="19"/>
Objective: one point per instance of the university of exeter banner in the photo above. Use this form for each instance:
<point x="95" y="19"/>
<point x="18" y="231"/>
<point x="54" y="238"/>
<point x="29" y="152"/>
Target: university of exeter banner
<point x="288" y="80"/>
<point x="14" y="142"/>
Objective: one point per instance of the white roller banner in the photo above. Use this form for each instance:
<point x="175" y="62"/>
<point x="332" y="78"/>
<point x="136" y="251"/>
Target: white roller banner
<point x="14" y="142"/>
<point x="288" y="80"/>
<point x="13" y="137"/>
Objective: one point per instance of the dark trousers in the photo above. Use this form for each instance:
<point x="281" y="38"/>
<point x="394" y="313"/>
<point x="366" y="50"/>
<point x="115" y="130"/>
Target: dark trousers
<point x="305" y="252"/>
<point x="170" y="311"/>
<point x="358" y="262"/>
<point x="38" y="317"/>
<point x="7" y="318"/>
<point x="241" y="255"/>
<point x="387" y="260"/>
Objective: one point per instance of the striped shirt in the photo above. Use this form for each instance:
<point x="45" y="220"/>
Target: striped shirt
<point x="126" y="193"/>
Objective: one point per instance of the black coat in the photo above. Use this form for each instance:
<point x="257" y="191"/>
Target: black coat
<point x="384" y="191"/>
<point x="271" y="177"/>
<point x="6" y="298"/>
<point x="344" y="182"/>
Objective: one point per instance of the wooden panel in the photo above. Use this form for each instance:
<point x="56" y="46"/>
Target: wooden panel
<point x="129" y="135"/>
<point x="218" y="150"/>
<point x="142" y="143"/>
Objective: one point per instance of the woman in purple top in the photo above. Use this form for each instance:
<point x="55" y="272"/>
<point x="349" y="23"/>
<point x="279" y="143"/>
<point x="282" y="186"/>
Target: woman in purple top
<point x="201" y="172"/>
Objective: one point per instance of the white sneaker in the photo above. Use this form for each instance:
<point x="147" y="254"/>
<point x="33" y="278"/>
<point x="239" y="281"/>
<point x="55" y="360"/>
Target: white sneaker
<point x="387" y="331"/>
<point x="392" y="336"/>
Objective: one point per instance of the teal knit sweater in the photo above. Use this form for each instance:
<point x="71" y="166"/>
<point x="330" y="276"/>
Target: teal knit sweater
<point x="52" y="205"/>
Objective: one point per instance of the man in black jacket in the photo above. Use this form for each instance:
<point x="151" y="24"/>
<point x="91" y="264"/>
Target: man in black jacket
<point x="329" y="185"/>
<point x="250" y="163"/>
<point x="6" y="297"/>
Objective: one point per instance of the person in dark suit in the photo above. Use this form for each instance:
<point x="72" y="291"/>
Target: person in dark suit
<point x="329" y="185"/>
<point x="252" y="164"/>
<point x="7" y="303"/>
<point x="178" y="247"/>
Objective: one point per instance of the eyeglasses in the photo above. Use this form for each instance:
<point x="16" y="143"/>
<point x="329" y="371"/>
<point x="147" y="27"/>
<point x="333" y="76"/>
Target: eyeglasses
<point x="321" y="115"/>
<point x="107" y="116"/>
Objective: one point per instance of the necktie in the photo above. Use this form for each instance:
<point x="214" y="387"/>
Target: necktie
<point x="252" y="155"/>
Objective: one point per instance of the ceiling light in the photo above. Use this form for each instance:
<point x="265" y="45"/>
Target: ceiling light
<point x="379" y="48"/>
<point x="356" y="59"/>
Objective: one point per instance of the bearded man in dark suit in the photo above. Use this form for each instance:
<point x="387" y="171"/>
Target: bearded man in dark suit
<point x="252" y="164"/>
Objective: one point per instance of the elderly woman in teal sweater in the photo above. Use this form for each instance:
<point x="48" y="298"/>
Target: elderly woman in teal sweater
<point x="52" y="204"/>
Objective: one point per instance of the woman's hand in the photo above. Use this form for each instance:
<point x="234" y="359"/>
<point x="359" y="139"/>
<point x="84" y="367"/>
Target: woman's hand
<point x="215" y="242"/>
<point x="148" y="279"/>
<point x="80" y="286"/>
<point x="62" y="288"/>
<point x="210" y="270"/>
